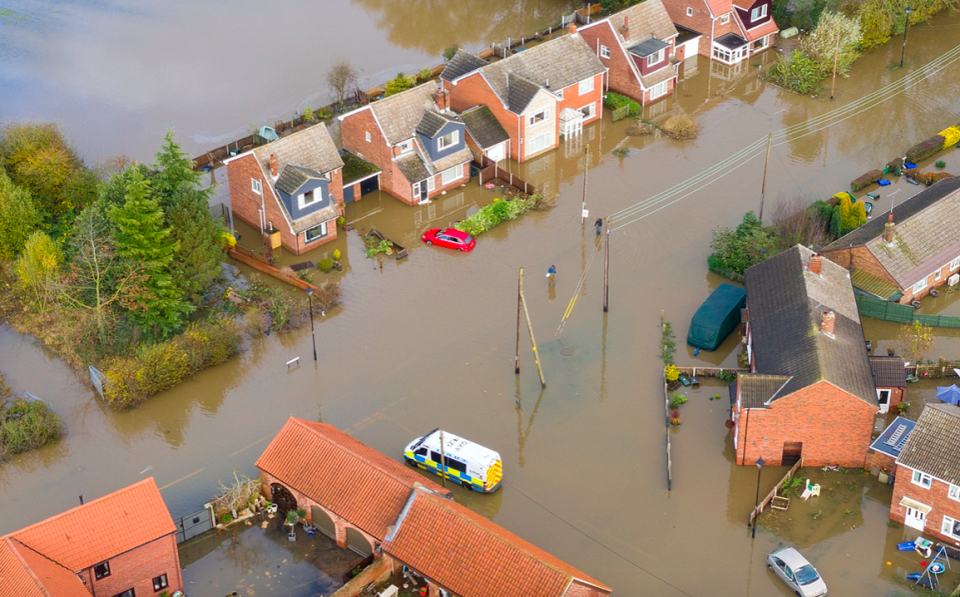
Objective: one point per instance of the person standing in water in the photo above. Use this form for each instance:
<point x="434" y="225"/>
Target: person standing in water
<point x="551" y="273"/>
<point x="599" y="225"/>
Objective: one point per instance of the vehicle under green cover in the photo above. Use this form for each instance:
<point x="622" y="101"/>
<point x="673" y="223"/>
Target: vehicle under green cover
<point x="717" y="317"/>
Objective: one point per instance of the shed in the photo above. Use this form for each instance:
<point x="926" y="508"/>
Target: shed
<point x="717" y="317"/>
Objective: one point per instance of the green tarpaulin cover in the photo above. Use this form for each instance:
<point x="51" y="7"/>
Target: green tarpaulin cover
<point x="717" y="317"/>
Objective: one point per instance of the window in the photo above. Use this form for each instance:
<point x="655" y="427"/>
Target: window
<point x="921" y="479"/>
<point x="421" y="452"/>
<point x="312" y="234"/>
<point x="758" y="12"/>
<point x="538" y="143"/>
<point x="127" y="593"/>
<point x="367" y="136"/>
<point x="406" y="146"/>
<point x="955" y="263"/>
<point x="919" y="286"/>
<point x="760" y="43"/>
<point x="160" y="582"/>
<point x="449" y="139"/>
<point x="656" y="57"/>
<point x="586" y="86"/>
<point x="589" y="111"/>
<point x="434" y="456"/>
<point x="541" y="116"/>
<point x="101" y="570"/>
<point x="658" y="90"/>
<point x="689" y="11"/>
<point x="309" y="197"/>
<point x="456" y="465"/>
<point x="937" y="275"/>
<point x="725" y="19"/>
<point x="255" y="185"/>
<point x="883" y="397"/>
<point x="604" y="52"/>
<point x="954" y="492"/>
<point x="451" y="174"/>
<point x="951" y="527"/>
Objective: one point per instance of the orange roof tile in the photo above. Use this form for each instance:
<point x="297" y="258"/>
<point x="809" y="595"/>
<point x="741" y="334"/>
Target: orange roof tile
<point x="761" y="30"/>
<point x="719" y="7"/>
<point x="361" y="485"/>
<point x="15" y="575"/>
<point x="54" y="578"/>
<point x="102" y="528"/>
<point x="489" y="560"/>
<point x="744" y="4"/>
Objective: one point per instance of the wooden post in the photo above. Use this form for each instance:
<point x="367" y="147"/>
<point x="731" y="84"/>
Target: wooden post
<point x="836" y="56"/>
<point x="443" y="463"/>
<point x="606" y="270"/>
<point x="519" y="316"/>
<point x="763" y="188"/>
<point x="586" y="166"/>
<point x="533" y="341"/>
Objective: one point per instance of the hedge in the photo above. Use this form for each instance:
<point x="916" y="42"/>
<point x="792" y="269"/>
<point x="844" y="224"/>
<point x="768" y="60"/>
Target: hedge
<point x="925" y="149"/>
<point x="615" y="100"/>
<point x="951" y="136"/>
<point x="867" y="179"/>
<point x="27" y="426"/>
<point x="494" y="214"/>
<point x="159" y="367"/>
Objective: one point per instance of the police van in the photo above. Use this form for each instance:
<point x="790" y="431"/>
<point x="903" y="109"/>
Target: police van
<point x="469" y="464"/>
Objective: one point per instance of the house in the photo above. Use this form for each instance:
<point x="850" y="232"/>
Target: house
<point x="539" y="95"/>
<point x="890" y="379"/>
<point x="906" y="253"/>
<point x="414" y="138"/>
<point x="809" y="393"/>
<point x="926" y="494"/>
<point x="884" y="451"/>
<point x="637" y="46"/>
<point x="123" y="544"/>
<point x="293" y="185"/>
<point x="485" y="134"/>
<point x="490" y="561"/>
<point x="730" y="30"/>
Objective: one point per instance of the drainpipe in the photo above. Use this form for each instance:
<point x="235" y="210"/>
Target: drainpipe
<point x="746" y="427"/>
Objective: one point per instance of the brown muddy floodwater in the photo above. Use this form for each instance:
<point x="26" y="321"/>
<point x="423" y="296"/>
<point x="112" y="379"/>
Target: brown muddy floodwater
<point x="429" y="341"/>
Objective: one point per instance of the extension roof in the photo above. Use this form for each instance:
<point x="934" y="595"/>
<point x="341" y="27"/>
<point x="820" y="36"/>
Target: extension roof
<point x="785" y="303"/>
<point x="292" y="178"/>
<point x="932" y="447"/>
<point x="413" y="168"/>
<point x="731" y="41"/>
<point x="489" y="560"/>
<point x="926" y="234"/>
<point x="685" y="34"/>
<point x="361" y="485"/>
<point x="647" y="47"/>
<point x="484" y="127"/>
<point x="761" y="30"/>
<point x="888" y="372"/>
<point x="432" y="122"/>
<point x="893" y="439"/>
<point x="311" y="148"/>
<point x="758" y="390"/>
<point x="399" y="115"/>
<point x="461" y="64"/>
<point x="645" y="20"/>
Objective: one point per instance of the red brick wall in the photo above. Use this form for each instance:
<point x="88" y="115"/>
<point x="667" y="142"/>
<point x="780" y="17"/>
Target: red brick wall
<point x="862" y="259"/>
<point x="375" y="572"/>
<point x="945" y="273"/>
<point x="622" y="78"/>
<point x="882" y="461"/>
<point x="354" y="128"/>
<point x="834" y="426"/>
<point x="935" y="497"/>
<point x="700" y="21"/>
<point x="137" y="568"/>
<point x="472" y="91"/>
<point x="573" y="99"/>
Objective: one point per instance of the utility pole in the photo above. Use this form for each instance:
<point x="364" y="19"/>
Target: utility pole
<point x="443" y="464"/>
<point x="586" y="166"/>
<point x="906" y="25"/>
<point x="836" y="56"/>
<point x="533" y="341"/>
<point x="763" y="188"/>
<point x="606" y="269"/>
<point x="519" y="317"/>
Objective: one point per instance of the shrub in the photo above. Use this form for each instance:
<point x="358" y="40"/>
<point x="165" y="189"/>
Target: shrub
<point x="494" y="214"/>
<point x="951" y="136"/>
<point x="424" y="74"/>
<point x="399" y="84"/>
<point x="727" y="376"/>
<point x="308" y="114"/>
<point x="941" y="164"/>
<point x="867" y="179"/>
<point x="325" y="265"/>
<point x="641" y="128"/>
<point x="615" y="100"/>
<point x="543" y="203"/>
<point x="336" y="253"/>
<point x="925" y="149"/>
<point x="450" y="52"/>
<point x="797" y="73"/>
<point x="677" y="400"/>
<point x="681" y="127"/>
<point x="342" y="222"/>
<point x="671" y="372"/>
<point x="821" y="45"/>
<point x="35" y="427"/>
<point x="324" y="113"/>
<point x="739" y="248"/>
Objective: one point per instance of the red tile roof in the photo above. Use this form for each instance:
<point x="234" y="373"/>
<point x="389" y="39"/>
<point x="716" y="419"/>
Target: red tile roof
<point x="53" y="579"/>
<point x="744" y="4"/>
<point x="101" y="529"/>
<point x="761" y="30"/>
<point x="361" y="485"/>
<point x="472" y="556"/>
<point x="15" y="575"/>
<point x="719" y="7"/>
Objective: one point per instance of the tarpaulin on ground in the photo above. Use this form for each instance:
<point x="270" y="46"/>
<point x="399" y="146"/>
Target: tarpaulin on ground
<point x="717" y="317"/>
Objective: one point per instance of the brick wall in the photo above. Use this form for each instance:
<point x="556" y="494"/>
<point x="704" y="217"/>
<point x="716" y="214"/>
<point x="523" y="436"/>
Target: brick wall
<point x="935" y="497"/>
<point x="379" y="570"/>
<point x="573" y="99"/>
<point x="137" y="568"/>
<point x="932" y="282"/>
<point x="881" y="461"/>
<point x="472" y="91"/>
<point x="701" y="20"/>
<point x="861" y="258"/>
<point x="834" y="426"/>
<point x="622" y="78"/>
<point x="354" y="128"/>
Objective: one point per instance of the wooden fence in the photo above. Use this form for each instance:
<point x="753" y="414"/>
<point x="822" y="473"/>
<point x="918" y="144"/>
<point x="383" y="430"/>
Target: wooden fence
<point x="493" y="172"/>
<point x="938" y="371"/>
<point x="666" y="412"/>
<point x="710" y="371"/>
<point x="260" y="266"/>
<point x="257" y="255"/>
<point x="773" y="493"/>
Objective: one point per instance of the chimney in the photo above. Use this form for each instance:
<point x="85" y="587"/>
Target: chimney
<point x="888" y="230"/>
<point x="274" y="167"/>
<point x="826" y="323"/>
<point x="625" y="30"/>
<point x="573" y="28"/>
<point x="815" y="262"/>
<point x="446" y="100"/>
<point x="440" y="100"/>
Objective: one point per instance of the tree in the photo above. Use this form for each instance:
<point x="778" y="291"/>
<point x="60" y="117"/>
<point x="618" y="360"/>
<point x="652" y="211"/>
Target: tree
<point x="341" y="78"/>
<point x="450" y="52"/>
<point x="399" y="84"/>
<point x="38" y="267"/>
<point x="746" y="245"/>
<point x="18" y="217"/>
<point x="142" y="238"/>
<point x="915" y="340"/>
<point x="821" y="45"/>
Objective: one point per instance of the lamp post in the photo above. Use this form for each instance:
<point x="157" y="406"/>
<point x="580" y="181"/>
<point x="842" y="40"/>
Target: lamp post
<point x="906" y="25"/>
<point x="313" y="331"/>
<point x="760" y="463"/>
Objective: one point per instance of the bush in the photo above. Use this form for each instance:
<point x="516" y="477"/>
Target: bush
<point x="325" y="265"/>
<point x="671" y="372"/>
<point x="35" y="427"/>
<point x="336" y="253"/>
<point x="867" y="179"/>
<point x="494" y="214"/>
<point x="450" y="52"/>
<point x="425" y="74"/>
<point x="746" y="245"/>
<point x="308" y="114"/>
<point x="951" y="136"/>
<point x="821" y="45"/>
<point x="324" y="113"/>
<point x="797" y="73"/>
<point x="399" y="84"/>
<point x="615" y="100"/>
<point x="940" y="164"/>
<point x="677" y="400"/>
<point x="681" y="127"/>
<point x="131" y="380"/>
<point x="925" y="149"/>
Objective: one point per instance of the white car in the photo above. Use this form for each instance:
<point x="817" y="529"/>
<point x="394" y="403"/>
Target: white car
<point x="797" y="572"/>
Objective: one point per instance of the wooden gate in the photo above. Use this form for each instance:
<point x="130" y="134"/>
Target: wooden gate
<point x="282" y="498"/>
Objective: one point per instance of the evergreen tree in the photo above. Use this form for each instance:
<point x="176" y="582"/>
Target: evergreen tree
<point x="18" y="217"/>
<point x="142" y="238"/>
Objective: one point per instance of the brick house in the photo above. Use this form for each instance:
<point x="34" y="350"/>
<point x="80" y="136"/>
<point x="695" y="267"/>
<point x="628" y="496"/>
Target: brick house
<point x="890" y="379"/>
<point x="293" y="185"/>
<point x="485" y="134"/>
<point x="810" y="390"/>
<point x="418" y="143"/>
<point x="539" y="95"/>
<point x="904" y="255"/>
<point x="489" y="559"/>
<point x="121" y="545"/>
<point x="926" y="494"/>
<point x="637" y="45"/>
<point x="730" y="30"/>
<point x="884" y="451"/>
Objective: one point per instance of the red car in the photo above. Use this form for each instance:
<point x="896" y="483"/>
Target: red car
<point x="450" y="238"/>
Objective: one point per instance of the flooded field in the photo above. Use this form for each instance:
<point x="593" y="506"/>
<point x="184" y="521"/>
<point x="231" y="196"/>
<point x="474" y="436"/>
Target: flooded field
<point x="429" y="341"/>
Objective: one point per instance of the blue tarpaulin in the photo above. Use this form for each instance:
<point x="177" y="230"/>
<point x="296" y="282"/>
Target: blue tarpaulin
<point x="717" y="317"/>
<point x="949" y="394"/>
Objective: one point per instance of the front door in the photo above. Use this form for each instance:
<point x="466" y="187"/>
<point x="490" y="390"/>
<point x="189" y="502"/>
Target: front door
<point x="883" y="397"/>
<point x="421" y="192"/>
<point x="915" y="519"/>
<point x="791" y="453"/>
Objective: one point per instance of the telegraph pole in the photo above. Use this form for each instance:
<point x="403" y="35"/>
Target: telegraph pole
<point x="906" y="25"/>
<point x="836" y="56"/>
<point x="606" y="269"/>
<point x="586" y="166"/>
<point x="443" y="463"/>
<point x="763" y="188"/>
<point x="519" y="317"/>
<point x="533" y="341"/>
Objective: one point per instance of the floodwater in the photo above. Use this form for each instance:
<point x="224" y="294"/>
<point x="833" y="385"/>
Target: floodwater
<point x="429" y="341"/>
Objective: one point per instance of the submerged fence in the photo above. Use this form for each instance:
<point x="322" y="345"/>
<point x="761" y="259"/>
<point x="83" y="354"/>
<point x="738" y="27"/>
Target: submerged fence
<point x="773" y="493"/>
<point x="493" y="172"/>
<point x="889" y="311"/>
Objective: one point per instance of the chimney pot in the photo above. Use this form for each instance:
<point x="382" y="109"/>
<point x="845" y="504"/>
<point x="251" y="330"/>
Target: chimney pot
<point x="815" y="264"/>
<point x="573" y="28"/>
<point x="274" y="166"/>
<point x="625" y="30"/>
<point x="827" y="322"/>
<point x="888" y="230"/>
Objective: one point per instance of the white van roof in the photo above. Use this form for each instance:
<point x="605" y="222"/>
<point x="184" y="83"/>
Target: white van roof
<point x="457" y="446"/>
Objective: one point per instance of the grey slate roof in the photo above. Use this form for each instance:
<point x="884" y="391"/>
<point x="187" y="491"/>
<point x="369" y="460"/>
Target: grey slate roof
<point x="461" y="64"/>
<point x="400" y="114"/>
<point x="932" y="447"/>
<point x="646" y="19"/>
<point x="785" y="305"/>
<point x="888" y="372"/>
<point x="647" y="47"/>
<point x="413" y="168"/>
<point x="894" y="437"/>
<point x="758" y="390"/>
<point x="293" y="177"/>
<point x="658" y="77"/>
<point x="484" y="127"/>
<point x="685" y="34"/>
<point x="926" y="236"/>
<point x="560" y="62"/>
<point x="432" y="122"/>
<point x="312" y="148"/>
<point x="309" y="221"/>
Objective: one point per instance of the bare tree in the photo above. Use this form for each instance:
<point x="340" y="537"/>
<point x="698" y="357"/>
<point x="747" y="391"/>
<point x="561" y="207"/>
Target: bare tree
<point x="796" y="223"/>
<point x="340" y="78"/>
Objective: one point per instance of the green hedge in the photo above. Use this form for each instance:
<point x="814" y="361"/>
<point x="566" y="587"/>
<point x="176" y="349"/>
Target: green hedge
<point x="159" y="367"/>
<point x="35" y="427"/>
<point x="494" y="214"/>
<point x="615" y="100"/>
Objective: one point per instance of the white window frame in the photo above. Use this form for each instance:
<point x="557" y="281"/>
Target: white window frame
<point x="724" y="55"/>
<point x="451" y="175"/>
<point x="955" y="263"/>
<point x="323" y="232"/>
<point x="656" y="57"/>
<point x="454" y="139"/>
<point x="317" y="196"/>
<point x="256" y="186"/>
<point x="653" y="90"/>
<point x="544" y="116"/>
<point x="919" y="286"/>
<point x="586" y="86"/>
<point x="953" y="492"/>
<point x="591" y="111"/>
<point x="758" y="12"/>
<point x="530" y="148"/>
<point x="689" y="11"/>
<point x="367" y="136"/>
<point x="406" y="146"/>
<point x="604" y="52"/>
<point x="937" y="275"/>
<point x="724" y="19"/>
<point x="918" y="478"/>
<point x="946" y="527"/>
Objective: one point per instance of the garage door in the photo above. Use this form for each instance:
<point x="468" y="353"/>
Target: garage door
<point x="323" y="522"/>
<point x="358" y="543"/>
<point x="497" y="153"/>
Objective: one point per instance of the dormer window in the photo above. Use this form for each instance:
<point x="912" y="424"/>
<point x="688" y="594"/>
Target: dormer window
<point x="449" y="139"/>
<point x="656" y="57"/>
<point x="758" y="12"/>
<point x="309" y="197"/>
<point x="406" y="146"/>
